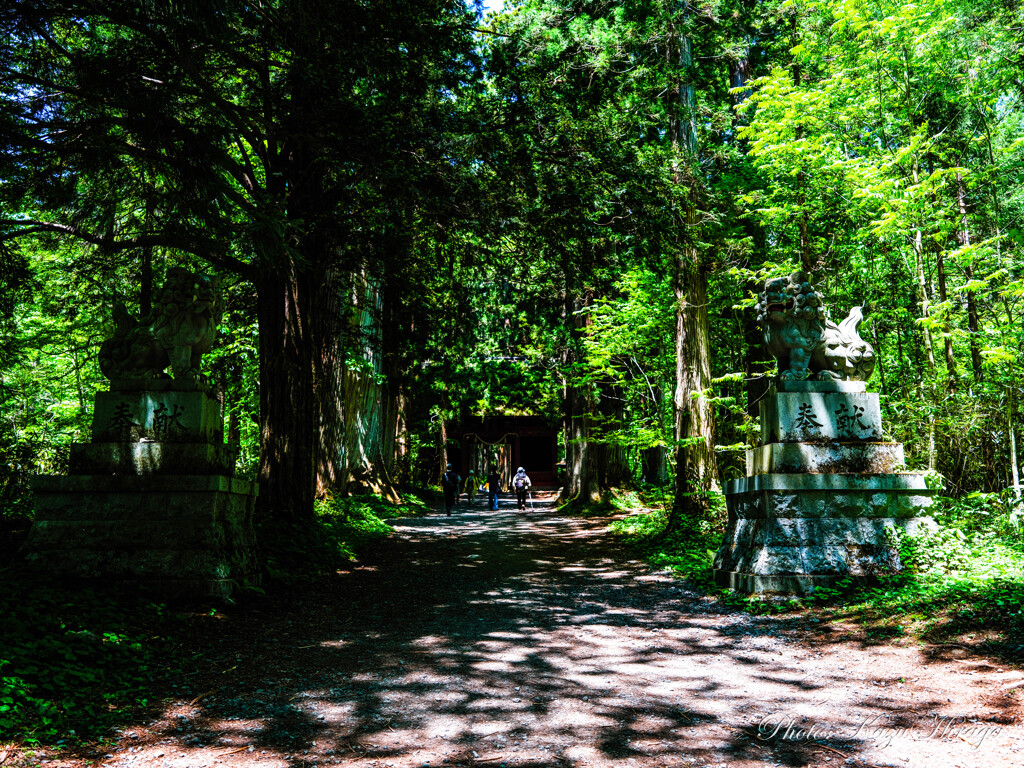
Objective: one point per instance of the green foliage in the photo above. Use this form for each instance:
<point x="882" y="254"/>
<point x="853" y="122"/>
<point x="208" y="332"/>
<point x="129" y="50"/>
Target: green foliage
<point x="344" y="526"/>
<point x="72" y="664"/>
<point x="687" y="550"/>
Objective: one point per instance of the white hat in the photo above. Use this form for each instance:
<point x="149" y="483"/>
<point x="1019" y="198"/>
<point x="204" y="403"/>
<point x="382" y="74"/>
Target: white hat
<point x="520" y="470"/>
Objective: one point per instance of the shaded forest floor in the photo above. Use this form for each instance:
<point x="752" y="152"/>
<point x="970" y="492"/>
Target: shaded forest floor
<point x="533" y="639"/>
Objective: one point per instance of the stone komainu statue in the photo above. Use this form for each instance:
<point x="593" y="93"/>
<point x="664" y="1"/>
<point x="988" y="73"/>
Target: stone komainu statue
<point x="176" y="333"/>
<point x="805" y="341"/>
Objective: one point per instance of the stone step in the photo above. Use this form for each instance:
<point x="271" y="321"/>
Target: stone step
<point x="815" y="496"/>
<point x="149" y="484"/>
<point x="799" y="555"/>
<point x="152" y="458"/>
<point x="756" y="534"/>
<point x="824" y="458"/>
<point x="175" y="535"/>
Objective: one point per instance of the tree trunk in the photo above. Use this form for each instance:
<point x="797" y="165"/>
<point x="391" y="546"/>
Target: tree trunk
<point x="807" y="259"/>
<point x="921" y="295"/>
<point x="1014" y="470"/>
<point x="581" y="458"/>
<point x="442" y="450"/>
<point x="331" y="385"/>
<point x="613" y="461"/>
<point x="880" y="358"/>
<point x="652" y="459"/>
<point x="696" y="466"/>
<point x="393" y="446"/>
<point x="940" y="270"/>
<point x="287" y="477"/>
<point x="964" y="239"/>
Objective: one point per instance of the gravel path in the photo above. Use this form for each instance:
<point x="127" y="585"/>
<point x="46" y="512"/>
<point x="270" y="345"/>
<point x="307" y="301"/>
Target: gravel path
<point x="530" y="639"/>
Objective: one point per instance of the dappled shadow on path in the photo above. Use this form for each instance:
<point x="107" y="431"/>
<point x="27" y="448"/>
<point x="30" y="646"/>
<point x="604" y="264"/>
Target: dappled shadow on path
<point x="528" y="639"/>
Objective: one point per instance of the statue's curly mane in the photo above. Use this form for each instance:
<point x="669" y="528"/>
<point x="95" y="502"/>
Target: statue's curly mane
<point x="178" y="330"/>
<point x="186" y="305"/>
<point x="805" y="341"/>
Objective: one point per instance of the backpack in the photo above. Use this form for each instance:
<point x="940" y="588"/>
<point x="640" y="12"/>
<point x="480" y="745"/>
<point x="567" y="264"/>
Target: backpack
<point x="447" y="481"/>
<point x="519" y="481"/>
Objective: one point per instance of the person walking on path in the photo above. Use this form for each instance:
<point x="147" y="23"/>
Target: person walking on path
<point x="450" y="482"/>
<point x="470" y="488"/>
<point x="521" y="483"/>
<point x="493" y="486"/>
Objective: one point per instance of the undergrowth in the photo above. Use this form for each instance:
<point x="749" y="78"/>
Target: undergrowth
<point x="341" y="529"/>
<point x="687" y="550"/>
<point x="75" y="662"/>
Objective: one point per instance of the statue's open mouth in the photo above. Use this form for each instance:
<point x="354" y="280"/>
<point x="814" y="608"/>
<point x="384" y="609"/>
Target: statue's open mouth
<point x="780" y="306"/>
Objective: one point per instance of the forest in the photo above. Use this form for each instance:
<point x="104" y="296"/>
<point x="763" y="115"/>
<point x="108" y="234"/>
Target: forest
<point x="423" y="213"/>
<point x="564" y="208"/>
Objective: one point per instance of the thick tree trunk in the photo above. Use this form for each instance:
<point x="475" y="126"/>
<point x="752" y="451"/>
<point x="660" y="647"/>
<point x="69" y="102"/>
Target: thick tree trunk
<point x="696" y="466"/>
<point x="395" y="329"/>
<point x="331" y="387"/>
<point x="578" y="458"/>
<point x="580" y="455"/>
<point x="652" y="462"/>
<point x="612" y="462"/>
<point x="288" y="413"/>
<point x="393" y="445"/>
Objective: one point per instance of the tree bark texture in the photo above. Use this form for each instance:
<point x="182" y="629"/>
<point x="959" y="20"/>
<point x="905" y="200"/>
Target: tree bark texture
<point x="696" y="466"/>
<point x="288" y="413"/>
<point x="580" y="456"/>
<point x="652" y="460"/>
<point x="612" y="460"/>
<point x="940" y="272"/>
<point x="964" y="238"/>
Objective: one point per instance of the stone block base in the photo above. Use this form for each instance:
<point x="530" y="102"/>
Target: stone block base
<point x="791" y="533"/>
<point x="152" y="458"/>
<point x="174" y="536"/>
<point x="824" y="458"/>
<point x="750" y="583"/>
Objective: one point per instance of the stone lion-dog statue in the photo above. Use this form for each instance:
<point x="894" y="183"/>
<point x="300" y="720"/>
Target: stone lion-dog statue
<point x="807" y="344"/>
<point x="176" y="333"/>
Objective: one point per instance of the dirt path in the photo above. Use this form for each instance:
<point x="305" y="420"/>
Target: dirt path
<point x="497" y="638"/>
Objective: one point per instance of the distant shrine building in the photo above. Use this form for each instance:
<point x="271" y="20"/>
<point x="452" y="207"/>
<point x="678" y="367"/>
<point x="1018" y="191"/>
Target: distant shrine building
<point x="509" y="442"/>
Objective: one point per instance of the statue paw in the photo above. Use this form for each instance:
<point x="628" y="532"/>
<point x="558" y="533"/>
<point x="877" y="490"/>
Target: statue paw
<point x="793" y="374"/>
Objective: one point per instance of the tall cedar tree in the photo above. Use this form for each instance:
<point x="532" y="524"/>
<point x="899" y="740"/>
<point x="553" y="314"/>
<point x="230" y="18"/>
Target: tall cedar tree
<point x="260" y="136"/>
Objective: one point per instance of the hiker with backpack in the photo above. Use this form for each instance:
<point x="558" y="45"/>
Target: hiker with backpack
<point x="521" y="484"/>
<point x="450" y="482"/>
<point x="470" y="488"/>
<point x="493" y="487"/>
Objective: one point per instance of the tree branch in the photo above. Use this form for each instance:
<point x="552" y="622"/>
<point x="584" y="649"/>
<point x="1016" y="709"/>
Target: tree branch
<point x="205" y="248"/>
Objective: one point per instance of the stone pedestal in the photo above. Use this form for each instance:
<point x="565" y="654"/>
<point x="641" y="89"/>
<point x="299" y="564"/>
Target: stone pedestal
<point x="820" y="493"/>
<point x="151" y="503"/>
